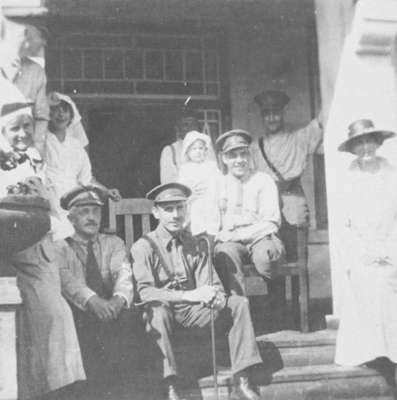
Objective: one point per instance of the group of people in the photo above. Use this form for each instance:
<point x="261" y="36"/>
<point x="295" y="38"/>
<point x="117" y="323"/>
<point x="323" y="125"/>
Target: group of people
<point x="79" y="286"/>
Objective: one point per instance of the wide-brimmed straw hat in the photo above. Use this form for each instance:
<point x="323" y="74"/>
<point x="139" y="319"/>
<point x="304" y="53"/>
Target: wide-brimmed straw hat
<point x="360" y="128"/>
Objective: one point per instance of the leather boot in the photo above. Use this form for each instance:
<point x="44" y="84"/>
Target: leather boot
<point x="243" y="389"/>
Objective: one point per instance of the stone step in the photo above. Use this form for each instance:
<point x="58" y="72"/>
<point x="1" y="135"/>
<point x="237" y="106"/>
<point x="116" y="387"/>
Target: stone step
<point x="321" y="382"/>
<point x="290" y="338"/>
<point x="293" y="348"/>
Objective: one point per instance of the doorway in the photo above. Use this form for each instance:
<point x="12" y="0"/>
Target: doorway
<point x="126" y="142"/>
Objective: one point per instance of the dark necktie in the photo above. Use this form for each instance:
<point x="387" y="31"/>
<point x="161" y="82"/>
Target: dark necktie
<point x="176" y="260"/>
<point x="93" y="275"/>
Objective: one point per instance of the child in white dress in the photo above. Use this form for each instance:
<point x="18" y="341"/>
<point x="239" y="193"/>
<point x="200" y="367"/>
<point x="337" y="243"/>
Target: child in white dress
<point x="200" y="174"/>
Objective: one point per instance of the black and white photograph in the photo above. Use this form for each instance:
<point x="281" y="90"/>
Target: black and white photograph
<point x="198" y="199"/>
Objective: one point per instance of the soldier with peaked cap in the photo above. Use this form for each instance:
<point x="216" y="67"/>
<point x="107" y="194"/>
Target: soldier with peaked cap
<point x="247" y="212"/>
<point x="96" y="279"/>
<point x="172" y="275"/>
<point x="171" y="155"/>
<point x="283" y="155"/>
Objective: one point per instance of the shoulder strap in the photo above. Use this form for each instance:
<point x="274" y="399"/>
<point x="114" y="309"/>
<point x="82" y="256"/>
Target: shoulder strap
<point x="269" y="163"/>
<point x="159" y="254"/>
<point x="173" y="151"/>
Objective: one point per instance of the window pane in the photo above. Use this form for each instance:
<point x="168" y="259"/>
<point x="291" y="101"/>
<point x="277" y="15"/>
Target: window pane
<point x="72" y="63"/>
<point x="154" y="65"/>
<point x="211" y="66"/>
<point x="134" y="64"/>
<point x="212" y="89"/>
<point x="114" y="64"/>
<point x="173" y="66"/>
<point x="93" y="64"/>
<point x="53" y="64"/>
<point x="193" y="67"/>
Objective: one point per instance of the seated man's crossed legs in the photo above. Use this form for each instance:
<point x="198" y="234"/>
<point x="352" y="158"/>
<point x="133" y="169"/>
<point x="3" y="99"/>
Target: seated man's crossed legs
<point x="231" y="257"/>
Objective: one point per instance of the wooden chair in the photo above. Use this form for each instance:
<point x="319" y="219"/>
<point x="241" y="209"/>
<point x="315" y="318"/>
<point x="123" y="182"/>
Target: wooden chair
<point x="296" y="272"/>
<point x="141" y="209"/>
<point x="137" y="222"/>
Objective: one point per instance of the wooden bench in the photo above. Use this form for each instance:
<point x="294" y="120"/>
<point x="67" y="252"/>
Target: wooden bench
<point x="134" y="217"/>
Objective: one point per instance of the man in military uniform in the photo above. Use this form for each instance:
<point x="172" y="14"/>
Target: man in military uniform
<point x="96" y="279"/>
<point x="172" y="275"/>
<point x="283" y="155"/>
<point x="247" y="210"/>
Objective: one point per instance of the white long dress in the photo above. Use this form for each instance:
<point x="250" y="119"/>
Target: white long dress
<point x="368" y="324"/>
<point x="67" y="166"/>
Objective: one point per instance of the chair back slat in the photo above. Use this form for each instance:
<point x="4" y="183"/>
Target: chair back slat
<point x="145" y="224"/>
<point x="129" y="230"/>
<point x="112" y="216"/>
<point x="128" y="208"/>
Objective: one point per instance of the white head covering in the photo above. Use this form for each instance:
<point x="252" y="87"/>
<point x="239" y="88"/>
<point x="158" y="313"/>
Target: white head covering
<point x="75" y="129"/>
<point x="190" y="138"/>
<point x="54" y="98"/>
<point x="12" y="104"/>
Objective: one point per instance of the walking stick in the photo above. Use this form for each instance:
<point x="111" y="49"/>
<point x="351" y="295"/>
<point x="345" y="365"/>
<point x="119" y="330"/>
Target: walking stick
<point x="212" y="315"/>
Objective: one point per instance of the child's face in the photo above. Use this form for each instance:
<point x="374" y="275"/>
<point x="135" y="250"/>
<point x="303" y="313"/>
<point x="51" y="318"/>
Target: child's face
<point x="197" y="151"/>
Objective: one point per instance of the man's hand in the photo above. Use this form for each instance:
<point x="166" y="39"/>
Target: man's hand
<point x="116" y="304"/>
<point x="219" y="301"/>
<point x="204" y="294"/>
<point x="100" y="307"/>
<point x="114" y="194"/>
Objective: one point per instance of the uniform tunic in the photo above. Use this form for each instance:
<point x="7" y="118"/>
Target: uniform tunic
<point x="112" y="260"/>
<point x="368" y="325"/>
<point x="248" y="216"/>
<point x="31" y="80"/>
<point x="190" y="264"/>
<point x="288" y="152"/>
<point x="50" y="355"/>
<point x="105" y="345"/>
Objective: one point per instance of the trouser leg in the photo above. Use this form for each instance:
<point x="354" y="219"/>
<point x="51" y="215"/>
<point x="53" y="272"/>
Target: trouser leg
<point x="160" y="321"/>
<point x="241" y="337"/>
<point x="88" y="329"/>
<point x="265" y="253"/>
<point x="244" y="351"/>
<point x="229" y="260"/>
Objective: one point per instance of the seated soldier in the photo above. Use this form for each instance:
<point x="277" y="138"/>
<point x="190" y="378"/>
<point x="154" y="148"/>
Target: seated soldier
<point x="96" y="278"/>
<point x="246" y="207"/>
<point x="172" y="275"/>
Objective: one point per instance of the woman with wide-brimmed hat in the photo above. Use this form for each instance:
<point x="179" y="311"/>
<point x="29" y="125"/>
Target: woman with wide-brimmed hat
<point x="368" y="325"/>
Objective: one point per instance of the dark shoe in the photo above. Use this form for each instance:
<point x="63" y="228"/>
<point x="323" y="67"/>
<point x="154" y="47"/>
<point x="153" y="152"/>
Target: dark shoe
<point x="172" y="389"/>
<point x="243" y="389"/>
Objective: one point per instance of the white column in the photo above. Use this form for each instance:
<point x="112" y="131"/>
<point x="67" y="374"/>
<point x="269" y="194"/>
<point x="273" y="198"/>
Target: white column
<point x="365" y="88"/>
<point x="9" y="301"/>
